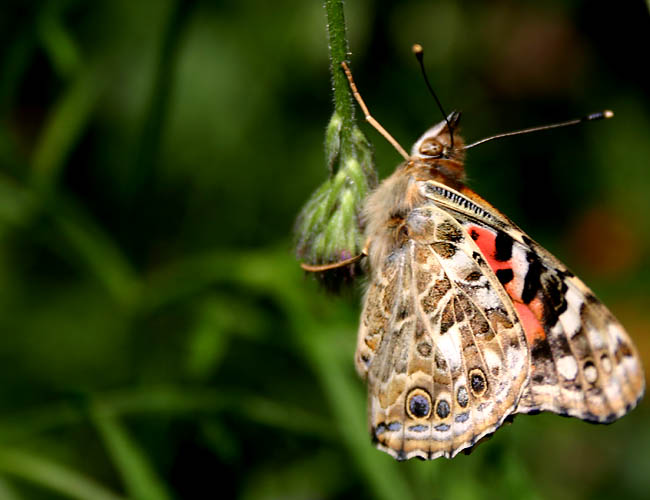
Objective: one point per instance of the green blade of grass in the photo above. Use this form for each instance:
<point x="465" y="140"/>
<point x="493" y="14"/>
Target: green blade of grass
<point x="168" y="401"/>
<point x="140" y="479"/>
<point x="53" y="476"/>
<point x="64" y="126"/>
<point x="97" y="251"/>
<point x="91" y="245"/>
<point x="56" y="40"/>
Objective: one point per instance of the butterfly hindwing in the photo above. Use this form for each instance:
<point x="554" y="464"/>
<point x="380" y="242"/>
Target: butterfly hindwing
<point x="439" y="342"/>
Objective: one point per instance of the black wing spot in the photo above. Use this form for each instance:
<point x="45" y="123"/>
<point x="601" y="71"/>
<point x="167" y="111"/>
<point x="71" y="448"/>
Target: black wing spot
<point x="532" y="281"/>
<point x="527" y="240"/>
<point x="565" y="273"/>
<point x="503" y="247"/>
<point x="541" y="351"/>
<point x="505" y="275"/>
<point x="478" y="258"/>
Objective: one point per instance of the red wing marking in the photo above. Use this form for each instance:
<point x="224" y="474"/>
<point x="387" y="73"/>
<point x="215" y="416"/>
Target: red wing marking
<point x="530" y="319"/>
<point x="486" y="241"/>
<point x="530" y="314"/>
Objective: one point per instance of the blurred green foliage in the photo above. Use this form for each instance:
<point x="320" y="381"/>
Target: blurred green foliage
<point x="157" y="338"/>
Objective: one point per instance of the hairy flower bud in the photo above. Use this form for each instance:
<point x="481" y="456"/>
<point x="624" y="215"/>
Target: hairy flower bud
<point x="329" y="228"/>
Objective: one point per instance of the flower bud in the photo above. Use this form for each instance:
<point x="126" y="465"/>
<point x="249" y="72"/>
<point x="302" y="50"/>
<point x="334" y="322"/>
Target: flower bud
<point x="329" y="228"/>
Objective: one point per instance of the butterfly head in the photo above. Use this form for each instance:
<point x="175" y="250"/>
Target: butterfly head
<point x="440" y="150"/>
<point x="441" y="141"/>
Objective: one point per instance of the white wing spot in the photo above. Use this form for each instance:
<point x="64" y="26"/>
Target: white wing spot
<point x="520" y="267"/>
<point x="449" y="347"/>
<point x="571" y="317"/>
<point x="557" y="330"/>
<point x="492" y="359"/>
<point x="461" y="263"/>
<point x="615" y="332"/>
<point x="567" y="367"/>
<point x="596" y="338"/>
<point x="486" y="298"/>
<point x="631" y="364"/>
<point x="591" y="374"/>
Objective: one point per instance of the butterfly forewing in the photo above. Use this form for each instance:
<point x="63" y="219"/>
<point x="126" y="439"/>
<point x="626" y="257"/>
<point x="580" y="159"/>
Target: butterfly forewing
<point x="583" y="363"/>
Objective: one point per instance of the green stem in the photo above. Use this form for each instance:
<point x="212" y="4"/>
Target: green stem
<point x="329" y="227"/>
<point x="339" y="49"/>
<point x="146" y="157"/>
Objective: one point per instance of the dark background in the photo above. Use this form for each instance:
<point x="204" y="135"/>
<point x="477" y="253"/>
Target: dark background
<point x="157" y="338"/>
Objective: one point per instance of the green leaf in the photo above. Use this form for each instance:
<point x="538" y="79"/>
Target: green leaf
<point x="138" y="475"/>
<point x="64" y="126"/>
<point x="50" y="475"/>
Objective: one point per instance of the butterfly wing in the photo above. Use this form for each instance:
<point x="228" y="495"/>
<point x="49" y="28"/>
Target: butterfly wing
<point x="583" y="363"/>
<point x="439" y="343"/>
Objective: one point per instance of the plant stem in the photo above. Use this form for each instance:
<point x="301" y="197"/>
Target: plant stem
<point x="339" y="50"/>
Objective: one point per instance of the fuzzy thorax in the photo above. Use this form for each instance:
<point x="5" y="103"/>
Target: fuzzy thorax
<point x="437" y="155"/>
<point x="387" y="207"/>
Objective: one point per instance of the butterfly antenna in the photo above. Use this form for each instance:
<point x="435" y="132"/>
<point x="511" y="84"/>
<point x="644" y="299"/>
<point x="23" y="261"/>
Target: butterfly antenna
<point x="367" y="114"/>
<point x="419" y="55"/>
<point x="601" y="115"/>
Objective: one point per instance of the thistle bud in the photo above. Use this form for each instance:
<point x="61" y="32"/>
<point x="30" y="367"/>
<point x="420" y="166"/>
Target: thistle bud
<point x="329" y="228"/>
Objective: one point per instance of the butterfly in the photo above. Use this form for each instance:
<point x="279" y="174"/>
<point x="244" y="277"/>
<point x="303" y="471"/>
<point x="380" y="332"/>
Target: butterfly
<point x="467" y="321"/>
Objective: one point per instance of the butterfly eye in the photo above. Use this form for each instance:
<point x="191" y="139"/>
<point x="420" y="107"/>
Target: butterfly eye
<point x="431" y="147"/>
<point x="418" y="404"/>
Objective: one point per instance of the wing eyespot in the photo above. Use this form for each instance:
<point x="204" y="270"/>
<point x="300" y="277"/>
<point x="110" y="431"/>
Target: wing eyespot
<point x="478" y="382"/>
<point x="418" y="404"/>
<point x="462" y="396"/>
<point x="442" y="409"/>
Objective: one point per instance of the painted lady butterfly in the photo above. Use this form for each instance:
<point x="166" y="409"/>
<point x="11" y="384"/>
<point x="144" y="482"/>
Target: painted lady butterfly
<point x="467" y="321"/>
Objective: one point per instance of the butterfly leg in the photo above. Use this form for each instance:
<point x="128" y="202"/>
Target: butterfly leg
<point x="369" y="117"/>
